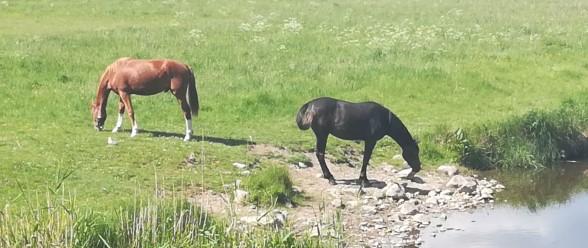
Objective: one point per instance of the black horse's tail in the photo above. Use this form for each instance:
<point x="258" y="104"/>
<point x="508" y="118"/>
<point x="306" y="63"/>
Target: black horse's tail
<point x="304" y="117"/>
<point x="192" y="94"/>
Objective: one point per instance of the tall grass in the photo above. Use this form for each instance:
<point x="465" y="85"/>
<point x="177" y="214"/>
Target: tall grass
<point x="270" y="185"/>
<point x="150" y="223"/>
<point x="536" y="139"/>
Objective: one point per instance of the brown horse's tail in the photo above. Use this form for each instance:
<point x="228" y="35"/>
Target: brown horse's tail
<point x="304" y="117"/>
<point x="192" y="93"/>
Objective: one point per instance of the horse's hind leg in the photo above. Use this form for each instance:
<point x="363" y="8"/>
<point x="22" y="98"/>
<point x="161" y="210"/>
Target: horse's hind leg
<point x="182" y="98"/>
<point x="367" y="154"/>
<point x="126" y="99"/>
<point x="121" y="111"/>
<point x="321" y="145"/>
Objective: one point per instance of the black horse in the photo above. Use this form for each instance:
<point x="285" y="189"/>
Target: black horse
<point x="367" y="121"/>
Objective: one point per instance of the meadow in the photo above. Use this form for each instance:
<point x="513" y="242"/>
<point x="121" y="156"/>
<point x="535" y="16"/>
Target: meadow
<point x="440" y="65"/>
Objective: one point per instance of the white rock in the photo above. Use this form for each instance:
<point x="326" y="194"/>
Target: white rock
<point x="241" y="196"/>
<point x="337" y="203"/>
<point x="408" y="208"/>
<point x="369" y="209"/>
<point x="240" y="166"/>
<point x="464" y="184"/>
<point x="352" y="204"/>
<point x="246" y="173"/>
<point x="302" y="165"/>
<point x="499" y="186"/>
<point x="111" y="141"/>
<point x="406" y="173"/>
<point x="446" y="192"/>
<point x="394" y="191"/>
<point x="486" y="193"/>
<point x="449" y="170"/>
<point x="432" y="201"/>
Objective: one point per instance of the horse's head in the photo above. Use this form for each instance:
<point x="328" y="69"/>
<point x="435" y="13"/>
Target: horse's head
<point x="410" y="153"/>
<point x="97" y="119"/>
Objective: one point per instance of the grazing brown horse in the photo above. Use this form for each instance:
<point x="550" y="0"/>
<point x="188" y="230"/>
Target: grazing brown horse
<point x="128" y="76"/>
<point x="367" y="121"/>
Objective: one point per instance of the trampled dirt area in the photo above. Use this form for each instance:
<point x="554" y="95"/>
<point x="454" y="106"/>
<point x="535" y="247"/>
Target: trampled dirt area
<point x="389" y="213"/>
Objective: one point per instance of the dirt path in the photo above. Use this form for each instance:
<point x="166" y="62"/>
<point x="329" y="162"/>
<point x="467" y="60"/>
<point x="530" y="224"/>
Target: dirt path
<point x="390" y="213"/>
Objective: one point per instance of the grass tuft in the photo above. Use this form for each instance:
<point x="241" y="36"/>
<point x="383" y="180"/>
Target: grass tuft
<point x="270" y="185"/>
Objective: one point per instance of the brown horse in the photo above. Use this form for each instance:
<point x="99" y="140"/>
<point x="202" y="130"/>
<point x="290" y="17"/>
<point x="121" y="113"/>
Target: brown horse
<point x="128" y="76"/>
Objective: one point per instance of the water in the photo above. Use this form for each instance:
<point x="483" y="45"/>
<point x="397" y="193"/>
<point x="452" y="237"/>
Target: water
<point x="541" y="209"/>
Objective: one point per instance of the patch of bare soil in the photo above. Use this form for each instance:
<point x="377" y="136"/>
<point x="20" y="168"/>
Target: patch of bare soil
<point x="389" y="213"/>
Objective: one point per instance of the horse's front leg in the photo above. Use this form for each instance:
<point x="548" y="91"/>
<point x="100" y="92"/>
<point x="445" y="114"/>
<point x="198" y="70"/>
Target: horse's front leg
<point x="321" y="145"/>
<point x="126" y="98"/>
<point x="367" y="154"/>
<point x="121" y="111"/>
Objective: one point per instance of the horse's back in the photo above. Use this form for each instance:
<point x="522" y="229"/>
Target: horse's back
<point x="348" y="120"/>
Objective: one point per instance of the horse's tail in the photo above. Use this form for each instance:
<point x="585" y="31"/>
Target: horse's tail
<point x="304" y="117"/>
<point x="192" y="94"/>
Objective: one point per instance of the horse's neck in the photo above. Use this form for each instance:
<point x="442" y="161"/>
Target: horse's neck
<point x="399" y="132"/>
<point x="102" y="98"/>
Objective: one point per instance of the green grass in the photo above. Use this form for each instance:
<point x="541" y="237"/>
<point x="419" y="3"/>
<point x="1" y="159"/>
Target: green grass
<point x="146" y="222"/>
<point x="536" y="139"/>
<point x="439" y="65"/>
<point x="270" y="185"/>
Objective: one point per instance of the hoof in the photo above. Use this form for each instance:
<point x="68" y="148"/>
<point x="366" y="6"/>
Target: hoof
<point x="331" y="180"/>
<point x="364" y="182"/>
<point x="187" y="138"/>
<point x="115" y="130"/>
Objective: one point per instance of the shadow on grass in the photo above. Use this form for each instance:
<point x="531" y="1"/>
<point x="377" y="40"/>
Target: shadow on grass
<point x="224" y="141"/>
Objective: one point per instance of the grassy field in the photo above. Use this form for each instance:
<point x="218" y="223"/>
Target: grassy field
<point x="436" y="63"/>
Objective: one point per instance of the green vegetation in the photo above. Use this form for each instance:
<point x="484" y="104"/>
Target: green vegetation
<point x="150" y="223"/>
<point x="536" y="139"/>
<point x="270" y="185"/>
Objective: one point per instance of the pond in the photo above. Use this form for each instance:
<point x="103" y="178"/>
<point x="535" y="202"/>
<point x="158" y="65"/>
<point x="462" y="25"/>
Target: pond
<point x="539" y="209"/>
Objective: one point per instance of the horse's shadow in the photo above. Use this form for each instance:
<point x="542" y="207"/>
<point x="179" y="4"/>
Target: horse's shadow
<point x="373" y="183"/>
<point x="225" y="141"/>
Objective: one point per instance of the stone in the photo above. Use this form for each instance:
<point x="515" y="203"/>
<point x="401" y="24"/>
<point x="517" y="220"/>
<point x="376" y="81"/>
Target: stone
<point x="240" y="166"/>
<point x="111" y="141"/>
<point x="446" y="192"/>
<point x="406" y="173"/>
<point x="449" y="170"/>
<point x="463" y="184"/>
<point x="337" y="203"/>
<point x="368" y="209"/>
<point x="408" y="208"/>
<point x="394" y="191"/>
<point x="432" y="201"/>
<point x="246" y="173"/>
<point x="241" y="196"/>
<point x="352" y="204"/>
<point x="499" y="186"/>
<point x="302" y="165"/>
<point x="280" y="218"/>
<point x="486" y="193"/>
<point x="418" y="188"/>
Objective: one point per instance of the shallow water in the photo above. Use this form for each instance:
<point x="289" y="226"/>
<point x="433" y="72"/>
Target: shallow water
<point x="541" y="209"/>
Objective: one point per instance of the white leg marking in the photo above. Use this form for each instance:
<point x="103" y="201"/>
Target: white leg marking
<point x="118" y="123"/>
<point x="135" y="129"/>
<point x="188" y="130"/>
